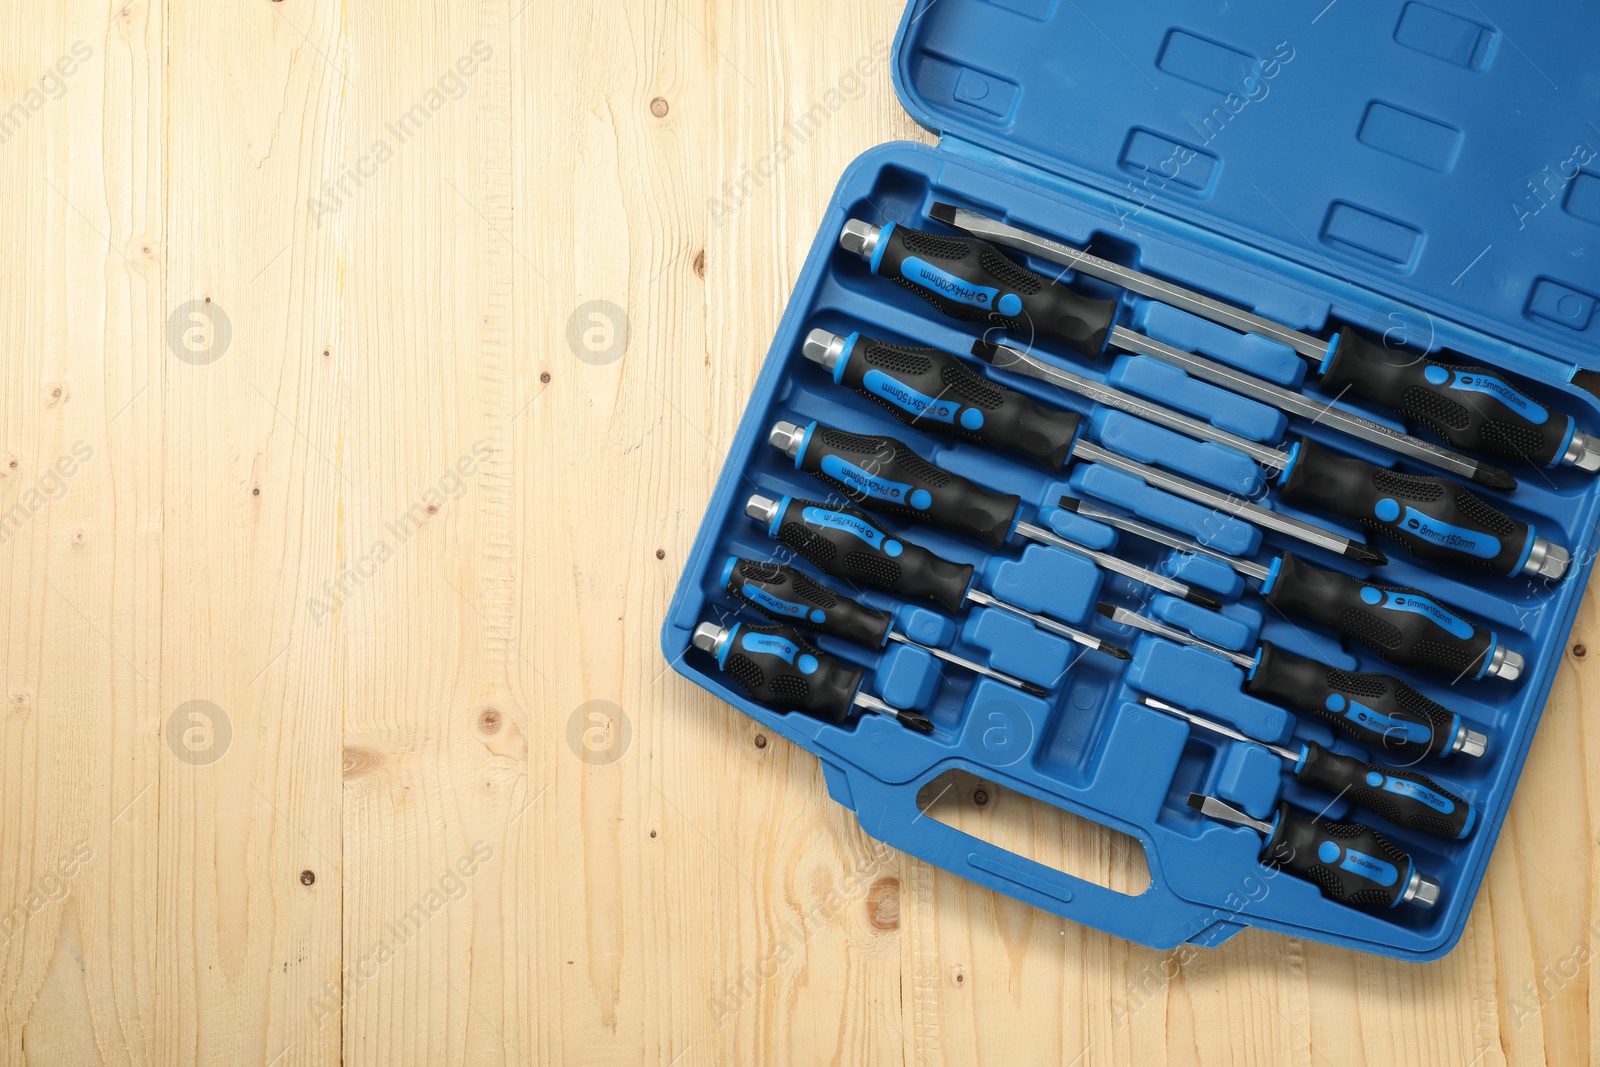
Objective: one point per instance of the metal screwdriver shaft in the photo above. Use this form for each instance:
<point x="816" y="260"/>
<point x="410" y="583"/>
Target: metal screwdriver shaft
<point x="885" y="475"/>
<point x="1470" y="407"/>
<point x="785" y="594"/>
<point x="780" y="669"/>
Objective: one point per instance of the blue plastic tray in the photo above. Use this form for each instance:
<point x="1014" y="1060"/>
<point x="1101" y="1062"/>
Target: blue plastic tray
<point x="1371" y="166"/>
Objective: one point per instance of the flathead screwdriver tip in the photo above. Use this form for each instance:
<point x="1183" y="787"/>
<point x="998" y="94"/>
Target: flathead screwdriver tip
<point x="985" y="350"/>
<point x="1494" y="478"/>
<point x="942" y="212"/>
<point x="1204" y="600"/>
<point x="1197" y="801"/>
<point x="1361" y="553"/>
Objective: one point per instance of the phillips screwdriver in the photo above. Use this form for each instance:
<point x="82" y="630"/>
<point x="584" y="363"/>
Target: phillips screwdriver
<point x="780" y="669"/>
<point x="1377" y="710"/>
<point x="1470" y="407"/>
<point x="1432" y="518"/>
<point x="884" y="475"/>
<point x="933" y="390"/>
<point x="1404" y="798"/>
<point x="1402" y="625"/>
<point x="784" y="594"/>
<point x="1349" y="862"/>
<point x="847" y="543"/>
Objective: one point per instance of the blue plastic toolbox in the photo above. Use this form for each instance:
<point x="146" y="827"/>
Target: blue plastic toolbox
<point x="1412" y="171"/>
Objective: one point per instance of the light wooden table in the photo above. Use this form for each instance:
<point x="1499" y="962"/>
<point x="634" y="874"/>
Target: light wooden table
<point x="300" y="296"/>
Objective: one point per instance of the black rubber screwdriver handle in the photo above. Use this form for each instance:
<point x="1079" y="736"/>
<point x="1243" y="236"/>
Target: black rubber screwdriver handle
<point x="885" y="475"/>
<point x="1404" y="798"/>
<point x="1432" y="518"/>
<point x="935" y="391"/>
<point x="971" y="280"/>
<point x="780" y="669"/>
<point x="849" y="544"/>
<point x="1377" y="710"/>
<point x="1349" y="862"/>
<point x="1469" y="407"/>
<point x="785" y="594"/>
<point x="1405" y="627"/>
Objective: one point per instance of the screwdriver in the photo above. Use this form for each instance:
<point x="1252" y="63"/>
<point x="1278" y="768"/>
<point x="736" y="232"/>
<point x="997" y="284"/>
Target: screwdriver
<point x="970" y="280"/>
<point x="1432" y="518"/>
<point x="1349" y="862"/>
<point x="1378" y="710"/>
<point x="1375" y="709"/>
<point x="784" y="594"/>
<point x="1402" y="625"/>
<point x="1470" y="407"/>
<point x="846" y="543"/>
<point x="884" y="475"/>
<point x="778" y="668"/>
<point x="1404" y="798"/>
<point x="933" y="390"/>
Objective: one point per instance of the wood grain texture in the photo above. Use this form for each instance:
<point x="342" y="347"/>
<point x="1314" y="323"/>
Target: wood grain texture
<point x="497" y="278"/>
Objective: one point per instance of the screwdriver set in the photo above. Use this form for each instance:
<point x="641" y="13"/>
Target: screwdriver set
<point x="1233" y="512"/>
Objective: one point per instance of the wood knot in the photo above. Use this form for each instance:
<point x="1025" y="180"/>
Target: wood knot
<point x="700" y="264"/>
<point x="308" y="877"/>
<point x="489" y="721"/>
<point x="658" y="107"/>
<point x="1579" y="651"/>
<point x="883" y="904"/>
<point x="761" y="740"/>
<point x="359" y="762"/>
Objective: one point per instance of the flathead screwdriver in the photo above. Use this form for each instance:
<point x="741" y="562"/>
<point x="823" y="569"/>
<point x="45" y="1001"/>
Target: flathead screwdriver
<point x="1402" y="797"/>
<point x="885" y="475"/>
<point x="1404" y="626"/>
<point x="1432" y="518"/>
<point x="1470" y="407"/>
<point x="1349" y="862"/>
<point x="935" y="391"/>
<point x="784" y="594"/>
<point x="780" y="669"/>
<point x="1378" y="710"/>
<point x="847" y="543"/>
<point x="970" y="280"/>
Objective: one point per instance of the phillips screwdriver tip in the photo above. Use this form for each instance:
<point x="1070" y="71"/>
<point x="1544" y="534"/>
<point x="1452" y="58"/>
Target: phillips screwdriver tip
<point x="920" y="723"/>
<point x="945" y="213"/>
<point x="1114" y="651"/>
<point x="1034" y="690"/>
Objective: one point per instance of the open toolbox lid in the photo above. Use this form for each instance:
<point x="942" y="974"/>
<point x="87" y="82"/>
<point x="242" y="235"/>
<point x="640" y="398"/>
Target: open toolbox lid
<point x="1420" y="151"/>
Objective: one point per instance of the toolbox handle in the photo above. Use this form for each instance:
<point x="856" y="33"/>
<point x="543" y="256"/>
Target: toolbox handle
<point x="888" y="811"/>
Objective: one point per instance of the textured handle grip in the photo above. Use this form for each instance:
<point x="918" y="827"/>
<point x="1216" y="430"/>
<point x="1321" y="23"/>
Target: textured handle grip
<point x="1469" y="407"/>
<point x="885" y="475"/>
<point x="1404" y="626"/>
<point x="848" y="544"/>
<point x="780" y="669"/>
<point x="1377" y="710"/>
<point x="969" y="279"/>
<point x="1405" y="798"/>
<point x="1349" y="862"/>
<point x="1431" y="518"/>
<point x="1400" y="624"/>
<point x="934" y="391"/>
<point x="785" y="594"/>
